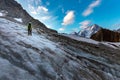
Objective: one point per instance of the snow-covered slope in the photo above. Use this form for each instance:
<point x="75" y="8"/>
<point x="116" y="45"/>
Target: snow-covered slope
<point x="88" y="31"/>
<point x="87" y="40"/>
<point x="115" y="45"/>
<point x="24" y="57"/>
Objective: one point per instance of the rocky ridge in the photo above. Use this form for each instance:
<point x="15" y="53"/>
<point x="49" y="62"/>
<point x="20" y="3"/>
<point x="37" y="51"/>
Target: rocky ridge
<point x="106" y="35"/>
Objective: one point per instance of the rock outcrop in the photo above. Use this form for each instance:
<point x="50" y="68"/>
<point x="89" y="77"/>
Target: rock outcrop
<point x="106" y="35"/>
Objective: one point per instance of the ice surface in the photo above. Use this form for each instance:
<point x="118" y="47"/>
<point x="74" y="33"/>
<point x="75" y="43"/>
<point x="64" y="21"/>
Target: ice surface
<point x="115" y="45"/>
<point x="82" y="39"/>
<point x="11" y="72"/>
<point x="36" y="55"/>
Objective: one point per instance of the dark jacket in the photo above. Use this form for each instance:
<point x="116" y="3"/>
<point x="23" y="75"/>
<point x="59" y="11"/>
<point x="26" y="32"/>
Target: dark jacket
<point x="29" y="27"/>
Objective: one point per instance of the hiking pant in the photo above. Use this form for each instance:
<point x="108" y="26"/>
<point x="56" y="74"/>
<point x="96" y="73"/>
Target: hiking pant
<point x="29" y="32"/>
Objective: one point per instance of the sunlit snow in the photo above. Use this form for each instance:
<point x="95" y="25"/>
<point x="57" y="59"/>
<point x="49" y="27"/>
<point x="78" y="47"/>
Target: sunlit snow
<point x="18" y="19"/>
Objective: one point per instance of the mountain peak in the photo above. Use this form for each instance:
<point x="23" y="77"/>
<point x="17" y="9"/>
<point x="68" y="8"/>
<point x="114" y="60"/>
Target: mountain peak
<point x="87" y="32"/>
<point x="95" y="25"/>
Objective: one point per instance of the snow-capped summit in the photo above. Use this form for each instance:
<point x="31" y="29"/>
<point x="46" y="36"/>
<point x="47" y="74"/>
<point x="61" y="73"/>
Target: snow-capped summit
<point x="118" y="30"/>
<point x="88" y="31"/>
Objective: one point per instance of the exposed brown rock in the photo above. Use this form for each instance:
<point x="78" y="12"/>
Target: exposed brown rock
<point x="106" y="35"/>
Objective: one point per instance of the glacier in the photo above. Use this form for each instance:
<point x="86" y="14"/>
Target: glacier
<point x="36" y="57"/>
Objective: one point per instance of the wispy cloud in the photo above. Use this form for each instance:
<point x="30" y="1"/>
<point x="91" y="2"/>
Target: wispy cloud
<point x="63" y="10"/>
<point x="85" y="24"/>
<point x="41" y="12"/>
<point x="91" y="7"/>
<point x="37" y="2"/>
<point x="47" y="3"/>
<point x="45" y="18"/>
<point x="37" y="10"/>
<point x="61" y="29"/>
<point x="42" y="8"/>
<point x="69" y="18"/>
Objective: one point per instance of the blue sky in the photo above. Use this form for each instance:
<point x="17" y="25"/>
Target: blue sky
<point x="67" y="16"/>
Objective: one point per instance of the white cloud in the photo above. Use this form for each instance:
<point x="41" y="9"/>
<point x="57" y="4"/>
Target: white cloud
<point x="37" y="10"/>
<point x="34" y="2"/>
<point x="85" y="24"/>
<point x="42" y="8"/>
<point x="37" y="2"/>
<point x="69" y="18"/>
<point x="61" y="29"/>
<point x="41" y="12"/>
<point x="91" y="7"/>
<point x="49" y="26"/>
<point x="87" y="12"/>
<point x="32" y="9"/>
<point x="34" y="12"/>
<point x="45" y="18"/>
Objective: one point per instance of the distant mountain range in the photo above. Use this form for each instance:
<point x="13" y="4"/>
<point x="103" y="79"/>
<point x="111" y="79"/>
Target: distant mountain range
<point x="93" y="31"/>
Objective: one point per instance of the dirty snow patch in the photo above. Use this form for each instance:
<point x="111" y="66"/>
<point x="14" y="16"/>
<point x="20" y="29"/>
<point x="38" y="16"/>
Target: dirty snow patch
<point x="18" y="19"/>
<point x="1" y="14"/>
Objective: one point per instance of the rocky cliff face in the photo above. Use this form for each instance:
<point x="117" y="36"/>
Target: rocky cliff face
<point x="14" y="10"/>
<point x="106" y="35"/>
